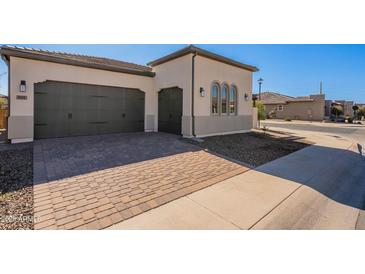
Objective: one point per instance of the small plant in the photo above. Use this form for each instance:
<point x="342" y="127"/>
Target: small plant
<point x="360" y="112"/>
<point x="288" y="119"/>
<point x="260" y="110"/>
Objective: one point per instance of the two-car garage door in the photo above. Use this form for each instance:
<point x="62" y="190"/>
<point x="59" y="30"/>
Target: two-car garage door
<point x="68" y="109"/>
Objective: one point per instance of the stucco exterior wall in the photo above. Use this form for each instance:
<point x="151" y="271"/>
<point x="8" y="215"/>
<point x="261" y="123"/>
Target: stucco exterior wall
<point x="208" y="71"/>
<point x="308" y="111"/>
<point x="177" y="73"/>
<point x="33" y="71"/>
<point x="174" y="73"/>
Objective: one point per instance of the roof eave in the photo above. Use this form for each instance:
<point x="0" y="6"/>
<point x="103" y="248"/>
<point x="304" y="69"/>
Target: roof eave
<point x="274" y="103"/>
<point x="204" y="53"/>
<point x="9" y="52"/>
<point x="174" y="55"/>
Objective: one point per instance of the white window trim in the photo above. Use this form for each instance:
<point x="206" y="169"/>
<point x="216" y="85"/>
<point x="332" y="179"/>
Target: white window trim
<point x="280" y="108"/>
<point x="235" y="113"/>
<point x="218" y="100"/>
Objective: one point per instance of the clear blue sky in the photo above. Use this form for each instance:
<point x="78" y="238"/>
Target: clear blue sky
<point x="289" y="69"/>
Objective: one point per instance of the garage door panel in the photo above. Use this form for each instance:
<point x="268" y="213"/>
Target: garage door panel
<point x="83" y="129"/>
<point x="46" y="116"/>
<point x="170" y="110"/>
<point x="54" y="122"/>
<point x="109" y="127"/>
<point x="72" y="109"/>
<point x="84" y="116"/>
<point x="110" y="103"/>
<point x="52" y="98"/>
<point x="134" y="110"/>
<point x="54" y="131"/>
<point x="85" y="102"/>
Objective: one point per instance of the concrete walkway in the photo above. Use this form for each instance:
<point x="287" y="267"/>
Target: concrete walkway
<point x="319" y="187"/>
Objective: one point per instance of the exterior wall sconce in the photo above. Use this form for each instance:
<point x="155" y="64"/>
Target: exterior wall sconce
<point x="23" y="86"/>
<point x="246" y="97"/>
<point x="202" y="92"/>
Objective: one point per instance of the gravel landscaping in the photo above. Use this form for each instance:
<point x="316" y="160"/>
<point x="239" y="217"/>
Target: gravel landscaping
<point x="253" y="148"/>
<point x="16" y="186"/>
<point x="2" y="136"/>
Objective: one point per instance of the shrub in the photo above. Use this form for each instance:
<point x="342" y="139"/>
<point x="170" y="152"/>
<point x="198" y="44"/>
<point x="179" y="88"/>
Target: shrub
<point x="360" y="112"/>
<point x="336" y="110"/>
<point x="260" y="110"/>
<point x="288" y="119"/>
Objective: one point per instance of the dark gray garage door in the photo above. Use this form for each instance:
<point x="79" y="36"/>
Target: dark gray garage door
<point x="68" y="109"/>
<point x="170" y="110"/>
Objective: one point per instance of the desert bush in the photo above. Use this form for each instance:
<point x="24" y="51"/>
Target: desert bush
<point x="261" y="110"/>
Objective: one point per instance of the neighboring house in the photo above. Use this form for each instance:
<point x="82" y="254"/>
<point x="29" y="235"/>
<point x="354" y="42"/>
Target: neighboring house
<point x="346" y="107"/>
<point x="192" y="92"/>
<point x="3" y="101"/>
<point x="281" y="106"/>
<point x="327" y="108"/>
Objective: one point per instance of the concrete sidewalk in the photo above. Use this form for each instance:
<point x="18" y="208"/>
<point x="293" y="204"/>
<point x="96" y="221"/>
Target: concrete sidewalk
<point x="319" y="187"/>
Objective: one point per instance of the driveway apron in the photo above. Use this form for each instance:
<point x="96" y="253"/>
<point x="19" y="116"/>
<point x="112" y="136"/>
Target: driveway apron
<point x="93" y="182"/>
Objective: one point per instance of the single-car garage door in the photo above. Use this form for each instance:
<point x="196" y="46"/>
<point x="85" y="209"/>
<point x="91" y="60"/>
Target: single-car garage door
<point x="69" y="109"/>
<point x="170" y="103"/>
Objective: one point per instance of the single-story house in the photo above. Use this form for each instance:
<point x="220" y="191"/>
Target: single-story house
<point x="3" y="101"/>
<point x="346" y="107"/>
<point x="192" y="92"/>
<point x="281" y="106"/>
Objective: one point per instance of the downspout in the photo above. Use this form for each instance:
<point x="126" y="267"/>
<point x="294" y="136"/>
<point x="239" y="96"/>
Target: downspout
<point x="192" y="95"/>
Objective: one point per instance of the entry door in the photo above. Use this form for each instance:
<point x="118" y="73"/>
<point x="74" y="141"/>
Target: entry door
<point x="170" y="110"/>
<point x="70" y="109"/>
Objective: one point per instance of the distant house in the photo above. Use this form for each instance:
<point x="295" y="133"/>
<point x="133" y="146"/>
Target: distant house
<point x="3" y="101"/>
<point x="282" y="106"/>
<point x="346" y="107"/>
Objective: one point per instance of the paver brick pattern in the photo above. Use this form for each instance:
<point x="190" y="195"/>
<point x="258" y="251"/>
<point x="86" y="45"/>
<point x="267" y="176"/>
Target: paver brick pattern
<point x="98" y="199"/>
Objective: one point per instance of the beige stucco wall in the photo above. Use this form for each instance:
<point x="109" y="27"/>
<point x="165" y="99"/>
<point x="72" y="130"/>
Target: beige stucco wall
<point x="177" y="73"/>
<point x="208" y="71"/>
<point x="32" y="71"/>
<point x="310" y="111"/>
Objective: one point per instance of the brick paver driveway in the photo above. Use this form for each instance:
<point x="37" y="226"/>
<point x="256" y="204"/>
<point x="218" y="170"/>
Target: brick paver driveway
<point x="95" y="181"/>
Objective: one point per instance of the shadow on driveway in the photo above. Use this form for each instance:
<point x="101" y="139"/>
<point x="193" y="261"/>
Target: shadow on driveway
<point x="66" y="157"/>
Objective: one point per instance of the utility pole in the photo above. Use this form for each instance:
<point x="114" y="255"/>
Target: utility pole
<point x="321" y="88"/>
<point x="260" y="83"/>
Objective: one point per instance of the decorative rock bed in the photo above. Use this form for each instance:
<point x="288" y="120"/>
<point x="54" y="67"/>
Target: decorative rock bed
<point x="252" y="148"/>
<point x="16" y="186"/>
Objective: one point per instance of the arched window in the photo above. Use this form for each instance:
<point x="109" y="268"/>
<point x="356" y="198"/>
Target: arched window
<point x="215" y="96"/>
<point x="224" y="99"/>
<point x="232" y="101"/>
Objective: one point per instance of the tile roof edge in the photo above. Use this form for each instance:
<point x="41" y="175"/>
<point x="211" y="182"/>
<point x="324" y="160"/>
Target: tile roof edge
<point x="24" y="53"/>
<point x="201" y="52"/>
